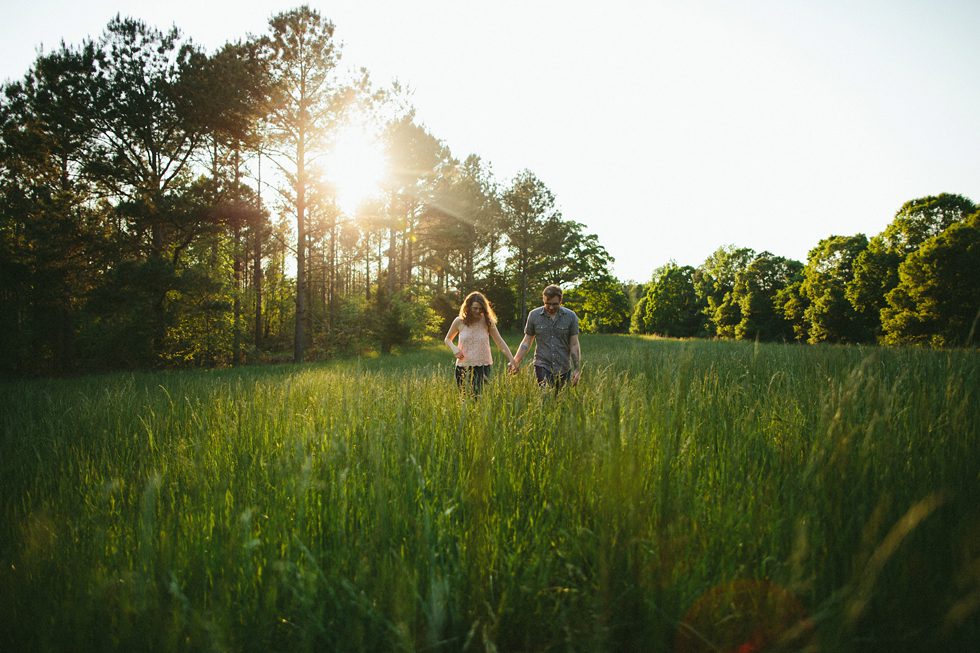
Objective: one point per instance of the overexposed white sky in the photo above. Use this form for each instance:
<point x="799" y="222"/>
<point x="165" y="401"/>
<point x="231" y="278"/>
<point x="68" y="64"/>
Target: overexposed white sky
<point x="669" y="128"/>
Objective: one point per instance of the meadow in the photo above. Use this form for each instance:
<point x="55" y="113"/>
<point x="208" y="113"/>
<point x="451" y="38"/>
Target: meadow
<point x="686" y="496"/>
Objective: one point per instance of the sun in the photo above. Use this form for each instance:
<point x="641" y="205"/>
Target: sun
<point x="356" y="165"/>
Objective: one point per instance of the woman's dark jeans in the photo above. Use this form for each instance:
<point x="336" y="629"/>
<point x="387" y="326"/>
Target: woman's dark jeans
<point x="472" y="376"/>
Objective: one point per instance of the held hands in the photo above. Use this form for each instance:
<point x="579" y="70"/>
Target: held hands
<point x="513" y="366"/>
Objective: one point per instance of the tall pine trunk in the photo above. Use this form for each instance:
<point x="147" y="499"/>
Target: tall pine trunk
<point x="299" y="332"/>
<point x="236" y="356"/>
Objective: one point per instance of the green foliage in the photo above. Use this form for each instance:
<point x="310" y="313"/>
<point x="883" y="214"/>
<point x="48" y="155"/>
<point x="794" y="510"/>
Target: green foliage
<point x="573" y="257"/>
<point x="150" y="314"/>
<point x="876" y="268"/>
<point x="110" y="128"/>
<point x="792" y="302"/>
<point x="875" y="274"/>
<point x="402" y="318"/>
<point x="226" y="92"/>
<point x="361" y="505"/>
<point x="756" y="292"/>
<point x="502" y="297"/>
<point x="125" y="322"/>
<point x="921" y="219"/>
<point x="602" y="306"/>
<point x="530" y="213"/>
<point x="634" y="291"/>
<point x="828" y="314"/>
<point x="714" y="282"/>
<point x="415" y="158"/>
<point x="200" y="320"/>
<point x="638" y="320"/>
<point x="545" y="248"/>
<point x="50" y="231"/>
<point x="348" y="334"/>
<point x="937" y="299"/>
<point x="462" y="223"/>
<point x="135" y="97"/>
<point x="671" y="306"/>
<point x="446" y="306"/>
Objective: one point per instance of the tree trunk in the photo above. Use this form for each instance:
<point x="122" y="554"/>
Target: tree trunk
<point x="257" y="276"/>
<point x="392" y="252"/>
<point x="407" y="263"/>
<point x="257" y="262"/>
<point x="332" y="273"/>
<point x="367" y="272"/>
<point x="236" y="356"/>
<point x="523" y="260"/>
<point x="299" y="333"/>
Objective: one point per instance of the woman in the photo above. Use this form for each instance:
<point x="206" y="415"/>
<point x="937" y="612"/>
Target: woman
<point x="475" y="325"/>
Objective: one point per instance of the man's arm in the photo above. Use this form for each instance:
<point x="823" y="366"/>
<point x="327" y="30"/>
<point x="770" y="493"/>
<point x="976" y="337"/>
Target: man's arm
<point x="575" y="350"/>
<point x="522" y="350"/>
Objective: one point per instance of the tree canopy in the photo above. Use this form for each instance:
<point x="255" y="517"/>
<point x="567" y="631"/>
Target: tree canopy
<point x="937" y="298"/>
<point x="165" y="206"/>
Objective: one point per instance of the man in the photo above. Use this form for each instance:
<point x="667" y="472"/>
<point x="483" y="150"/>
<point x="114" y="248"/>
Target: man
<point x="557" y="354"/>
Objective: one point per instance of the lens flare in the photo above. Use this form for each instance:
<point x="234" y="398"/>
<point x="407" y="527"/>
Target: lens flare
<point x="744" y="616"/>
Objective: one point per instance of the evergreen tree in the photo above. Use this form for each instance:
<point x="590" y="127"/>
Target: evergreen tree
<point x="51" y="227"/>
<point x="305" y="99"/>
<point x="529" y="210"/>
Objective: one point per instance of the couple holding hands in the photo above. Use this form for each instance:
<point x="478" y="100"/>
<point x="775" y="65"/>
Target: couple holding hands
<point x="557" y="354"/>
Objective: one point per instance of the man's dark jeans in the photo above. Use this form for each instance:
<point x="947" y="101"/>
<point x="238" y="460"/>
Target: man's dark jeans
<point x="548" y="378"/>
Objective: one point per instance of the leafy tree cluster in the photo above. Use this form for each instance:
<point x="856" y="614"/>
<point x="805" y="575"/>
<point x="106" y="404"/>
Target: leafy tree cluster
<point x="165" y="206"/>
<point x="918" y="282"/>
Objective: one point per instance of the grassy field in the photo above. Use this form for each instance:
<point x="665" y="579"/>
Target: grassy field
<point x="687" y="496"/>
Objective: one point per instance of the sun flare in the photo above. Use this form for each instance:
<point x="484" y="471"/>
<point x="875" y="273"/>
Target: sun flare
<point x="355" y="166"/>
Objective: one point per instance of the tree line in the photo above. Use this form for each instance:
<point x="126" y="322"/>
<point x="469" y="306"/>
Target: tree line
<point x="165" y="206"/>
<point x="917" y="282"/>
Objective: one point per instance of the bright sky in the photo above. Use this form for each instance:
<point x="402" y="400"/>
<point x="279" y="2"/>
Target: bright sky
<point x="667" y="127"/>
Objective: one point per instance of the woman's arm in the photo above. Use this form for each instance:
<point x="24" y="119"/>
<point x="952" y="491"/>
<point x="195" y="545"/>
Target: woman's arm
<point x="453" y="332"/>
<point x="501" y="345"/>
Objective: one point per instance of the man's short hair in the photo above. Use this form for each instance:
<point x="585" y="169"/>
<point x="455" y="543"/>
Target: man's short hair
<point x="551" y="292"/>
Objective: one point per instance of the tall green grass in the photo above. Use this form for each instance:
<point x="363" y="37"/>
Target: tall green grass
<point x="686" y="496"/>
